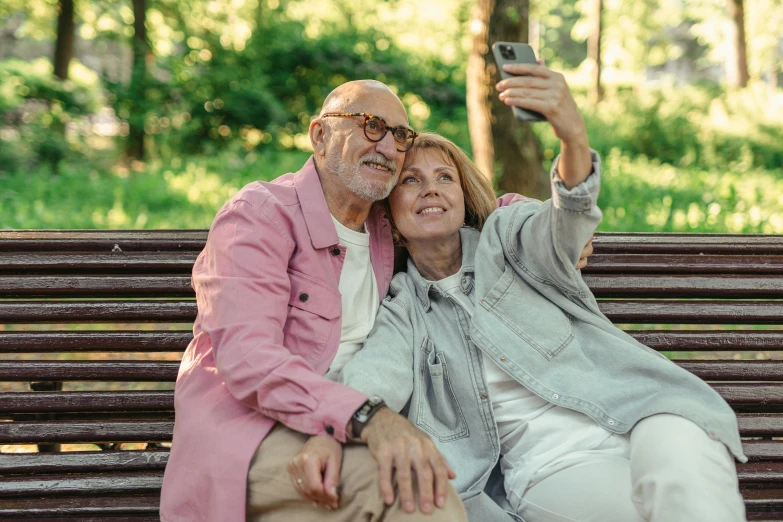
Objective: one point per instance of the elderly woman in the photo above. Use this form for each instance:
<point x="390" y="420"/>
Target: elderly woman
<point x="492" y="343"/>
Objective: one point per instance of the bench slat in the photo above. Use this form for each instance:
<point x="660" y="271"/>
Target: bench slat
<point x="95" y="286"/>
<point x="734" y="370"/>
<point x="33" y="432"/>
<point x="694" y="244"/>
<point x="136" y="508"/>
<point x="708" y="340"/>
<point x="166" y="340"/>
<point x="760" y="425"/>
<point x="151" y="371"/>
<point x="619" y="311"/>
<point x="668" y="286"/>
<point x="87" y="401"/>
<point x="680" y="286"/>
<point x="82" y="341"/>
<point x="166" y="371"/>
<point x="101" y="240"/>
<point x="763" y="450"/>
<point x="760" y="472"/>
<point x="682" y="264"/>
<point x="63" y="262"/>
<point x="698" y="312"/>
<point x="83" y="461"/>
<point x="132" y="482"/>
<point x="97" y="312"/>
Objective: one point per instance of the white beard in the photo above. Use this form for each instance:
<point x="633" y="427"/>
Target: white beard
<point x="352" y="178"/>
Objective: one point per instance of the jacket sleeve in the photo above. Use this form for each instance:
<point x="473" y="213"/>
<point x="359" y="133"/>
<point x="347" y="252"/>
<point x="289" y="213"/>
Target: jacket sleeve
<point x="545" y="240"/>
<point x="384" y="366"/>
<point x="243" y="290"/>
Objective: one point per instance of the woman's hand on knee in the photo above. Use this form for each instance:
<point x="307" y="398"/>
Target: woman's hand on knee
<point x="401" y="447"/>
<point x="315" y="471"/>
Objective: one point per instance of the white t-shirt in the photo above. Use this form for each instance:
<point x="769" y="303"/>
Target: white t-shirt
<point x="359" y="292"/>
<point x="537" y="438"/>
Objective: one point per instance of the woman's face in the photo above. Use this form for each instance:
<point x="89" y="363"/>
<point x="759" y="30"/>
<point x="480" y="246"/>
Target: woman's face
<point x="428" y="203"/>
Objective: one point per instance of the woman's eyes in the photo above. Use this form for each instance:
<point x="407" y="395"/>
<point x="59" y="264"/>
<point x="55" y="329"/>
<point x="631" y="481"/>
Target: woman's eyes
<point x="445" y="176"/>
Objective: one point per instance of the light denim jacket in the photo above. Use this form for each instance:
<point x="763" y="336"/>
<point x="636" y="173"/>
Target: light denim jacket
<point x="537" y="319"/>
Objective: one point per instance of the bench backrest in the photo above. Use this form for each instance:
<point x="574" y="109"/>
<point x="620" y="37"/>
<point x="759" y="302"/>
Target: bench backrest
<point x="93" y="323"/>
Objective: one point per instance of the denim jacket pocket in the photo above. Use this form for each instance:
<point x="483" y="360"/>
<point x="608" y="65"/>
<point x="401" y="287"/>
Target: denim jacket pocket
<point x="438" y="412"/>
<point x="535" y="319"/>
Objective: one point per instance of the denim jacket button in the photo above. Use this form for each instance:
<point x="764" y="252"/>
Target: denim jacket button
<point x="611" y="422"/>
<point x="555" y="396"/>
<point x="483" y="396"/>
<point x="503" y="358"/>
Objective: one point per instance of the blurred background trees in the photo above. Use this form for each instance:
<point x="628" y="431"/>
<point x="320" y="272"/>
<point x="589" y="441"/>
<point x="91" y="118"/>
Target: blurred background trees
<point x="165" y="107"/>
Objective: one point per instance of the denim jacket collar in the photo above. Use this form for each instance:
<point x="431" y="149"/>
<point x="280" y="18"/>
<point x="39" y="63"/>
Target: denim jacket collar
<point x="470" y="238"/>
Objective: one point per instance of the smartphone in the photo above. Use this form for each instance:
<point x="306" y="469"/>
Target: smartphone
<point x="510" y="52"/>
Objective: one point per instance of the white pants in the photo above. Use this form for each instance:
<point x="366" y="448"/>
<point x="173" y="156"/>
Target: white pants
<point x="674" y="473"/>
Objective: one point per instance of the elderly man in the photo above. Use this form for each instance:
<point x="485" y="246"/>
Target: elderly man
<point x="288" y="286"/>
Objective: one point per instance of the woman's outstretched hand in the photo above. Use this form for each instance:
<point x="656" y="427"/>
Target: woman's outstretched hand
<point x="537" y="88"/>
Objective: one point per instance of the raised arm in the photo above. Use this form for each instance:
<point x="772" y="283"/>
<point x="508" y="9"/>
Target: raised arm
<point x="537" y="88"/>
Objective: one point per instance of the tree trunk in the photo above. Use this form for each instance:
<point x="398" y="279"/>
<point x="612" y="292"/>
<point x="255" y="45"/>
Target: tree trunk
<point x="63" y="48"/>
<point x="479" y="90"/>
<point x="501" y="144"/>
<point x="738" y="68"/>
<point x="141" y="53"/>
<point x="594" y="52"/>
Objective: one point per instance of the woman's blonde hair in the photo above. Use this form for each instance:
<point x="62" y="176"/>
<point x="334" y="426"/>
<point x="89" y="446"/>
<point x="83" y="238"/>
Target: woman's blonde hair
<point x="477" y="190"/>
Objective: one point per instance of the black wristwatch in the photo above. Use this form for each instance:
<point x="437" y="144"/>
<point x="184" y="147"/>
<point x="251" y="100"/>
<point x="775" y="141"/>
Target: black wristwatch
<point x="364" y="414"/>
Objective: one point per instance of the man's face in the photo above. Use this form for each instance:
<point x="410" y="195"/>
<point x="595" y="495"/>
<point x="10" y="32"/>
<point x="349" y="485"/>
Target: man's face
<point x="367" y="169"/>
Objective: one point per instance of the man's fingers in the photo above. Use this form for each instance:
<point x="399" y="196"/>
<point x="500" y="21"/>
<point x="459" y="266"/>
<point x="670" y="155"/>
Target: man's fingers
<point x="425" y="477"/>
<point x="402" y="466"/>
<point x="442" y="473"/>
<point x="385" y="477"/>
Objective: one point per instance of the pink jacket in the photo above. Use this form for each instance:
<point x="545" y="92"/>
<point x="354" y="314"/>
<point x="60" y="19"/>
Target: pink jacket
<point x="267" y="329"/>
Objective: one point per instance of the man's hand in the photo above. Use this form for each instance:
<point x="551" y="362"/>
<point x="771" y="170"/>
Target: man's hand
<point x="400" y="446"/>
<point x="315" y="471"/>
<point x="587" y="251"/>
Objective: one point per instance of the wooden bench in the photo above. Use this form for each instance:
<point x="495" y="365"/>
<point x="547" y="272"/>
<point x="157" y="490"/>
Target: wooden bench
<point x="92" y="324"/>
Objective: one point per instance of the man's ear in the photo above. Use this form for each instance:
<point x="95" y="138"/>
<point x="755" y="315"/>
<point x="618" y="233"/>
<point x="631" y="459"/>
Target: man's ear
<point x="318" y="137"/>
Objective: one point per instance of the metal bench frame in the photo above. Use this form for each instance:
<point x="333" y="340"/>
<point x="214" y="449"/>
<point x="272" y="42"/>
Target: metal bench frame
<point x="127" y="279"/>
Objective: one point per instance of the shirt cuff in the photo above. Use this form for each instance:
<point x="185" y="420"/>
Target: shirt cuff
<point x="583" y="196"/>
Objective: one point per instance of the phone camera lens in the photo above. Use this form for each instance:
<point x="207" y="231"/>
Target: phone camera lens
<point x="507" y="52"/>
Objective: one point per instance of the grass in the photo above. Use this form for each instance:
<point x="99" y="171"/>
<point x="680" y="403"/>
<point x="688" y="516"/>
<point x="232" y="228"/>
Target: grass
<point x="637" y="195"/>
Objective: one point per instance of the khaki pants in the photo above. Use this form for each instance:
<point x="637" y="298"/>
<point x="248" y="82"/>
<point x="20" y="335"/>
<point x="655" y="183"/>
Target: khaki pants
<point x="271" y="495"/>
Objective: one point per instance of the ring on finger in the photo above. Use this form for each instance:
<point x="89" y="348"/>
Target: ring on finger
<point x="299" y="481"/>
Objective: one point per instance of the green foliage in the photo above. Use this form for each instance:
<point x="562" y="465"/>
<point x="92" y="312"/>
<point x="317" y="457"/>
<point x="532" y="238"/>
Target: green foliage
<point x="285" y="75"/>
<point x="21" y="80"/>
<point x="37" y="107"/>
<point x="637" y="194"/>
<point x="696" y="126"/>
<point x="180" y="193"/>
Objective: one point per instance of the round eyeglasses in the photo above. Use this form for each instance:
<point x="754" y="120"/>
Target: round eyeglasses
<point x="375" y="129"/>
